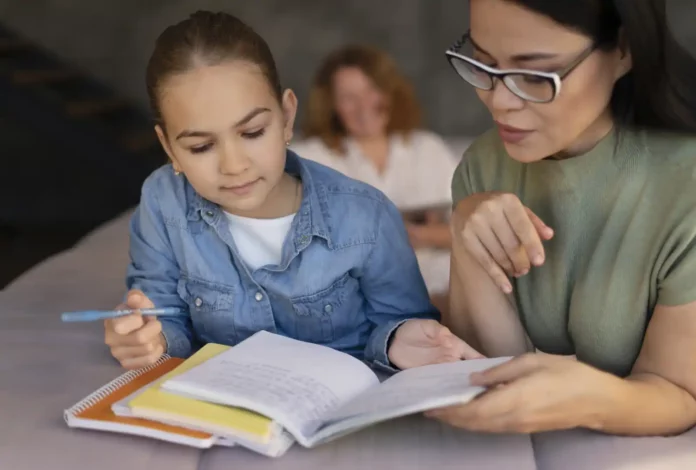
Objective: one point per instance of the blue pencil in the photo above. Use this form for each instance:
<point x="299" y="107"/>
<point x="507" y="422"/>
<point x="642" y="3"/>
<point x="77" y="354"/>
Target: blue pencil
<point x="93" y="315"/>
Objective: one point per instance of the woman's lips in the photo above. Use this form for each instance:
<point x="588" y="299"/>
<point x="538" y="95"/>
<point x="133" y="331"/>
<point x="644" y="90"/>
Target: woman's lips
<point x="512" y="135"/>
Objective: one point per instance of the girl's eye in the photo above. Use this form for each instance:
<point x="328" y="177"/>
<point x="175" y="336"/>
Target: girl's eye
<point x="201" y="148"/>
<point x="254" y="135"/>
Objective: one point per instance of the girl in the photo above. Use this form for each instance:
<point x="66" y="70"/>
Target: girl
<point x="363" y="120"/>
<point x="246" y="236"/>
<point x="576" y="218"/>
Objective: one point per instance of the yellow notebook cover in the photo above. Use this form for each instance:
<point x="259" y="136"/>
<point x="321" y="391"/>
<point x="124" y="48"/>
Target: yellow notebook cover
<point x="94" y="411"/>
<point x="157" y="404"/>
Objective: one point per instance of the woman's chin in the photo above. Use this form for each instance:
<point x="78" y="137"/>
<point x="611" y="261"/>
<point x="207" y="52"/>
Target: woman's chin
<point x="524" y="153"/>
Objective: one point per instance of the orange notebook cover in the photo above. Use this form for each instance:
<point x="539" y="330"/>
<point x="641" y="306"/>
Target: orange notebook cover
<point x="94" y="411"/>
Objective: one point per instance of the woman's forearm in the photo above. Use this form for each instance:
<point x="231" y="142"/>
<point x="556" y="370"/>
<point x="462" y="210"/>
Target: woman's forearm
<point x="480" y="313"/>
<point x="643" y="405"/>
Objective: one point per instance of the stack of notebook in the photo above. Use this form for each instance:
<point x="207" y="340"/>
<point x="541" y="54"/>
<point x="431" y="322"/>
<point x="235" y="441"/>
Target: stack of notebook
<point x="267" y="393"/>
<point x="135" y="403"/>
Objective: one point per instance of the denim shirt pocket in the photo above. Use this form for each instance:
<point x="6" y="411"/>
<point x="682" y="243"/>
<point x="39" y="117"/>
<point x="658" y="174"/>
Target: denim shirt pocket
<point x="210" y="306"/>
<point x="321" y="317"/>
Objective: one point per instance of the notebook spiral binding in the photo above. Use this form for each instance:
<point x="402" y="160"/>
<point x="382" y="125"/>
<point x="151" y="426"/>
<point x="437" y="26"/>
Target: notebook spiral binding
<point x="111" y="387"/>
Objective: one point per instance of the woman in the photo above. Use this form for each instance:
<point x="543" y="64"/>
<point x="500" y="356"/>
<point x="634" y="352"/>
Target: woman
<point x="363" y="120"/>
<point x="575" y="219"/>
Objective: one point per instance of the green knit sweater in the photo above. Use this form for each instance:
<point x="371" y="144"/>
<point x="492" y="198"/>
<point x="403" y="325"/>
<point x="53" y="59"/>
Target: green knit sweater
<point x="624" y="219"/>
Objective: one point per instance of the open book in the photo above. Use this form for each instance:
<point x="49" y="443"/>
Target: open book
<point x="317" y="393"/>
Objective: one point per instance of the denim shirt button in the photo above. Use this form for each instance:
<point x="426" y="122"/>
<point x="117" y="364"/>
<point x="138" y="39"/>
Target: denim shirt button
<point x="258" y="296"/>
<point x="328" y="308"/>
<point x="198" y="302"/>
<point x="209" y="213"/>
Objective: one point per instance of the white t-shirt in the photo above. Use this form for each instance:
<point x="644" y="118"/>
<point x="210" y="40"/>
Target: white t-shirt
<point x="259" y="241"/>
<point x="418" y="173"/>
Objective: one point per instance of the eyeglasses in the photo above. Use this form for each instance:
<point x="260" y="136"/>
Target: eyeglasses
<point x="530" y="85"/>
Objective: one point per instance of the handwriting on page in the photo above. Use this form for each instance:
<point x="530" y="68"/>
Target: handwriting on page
<point x="414" y="387"/>
<point x="298" y="398"/>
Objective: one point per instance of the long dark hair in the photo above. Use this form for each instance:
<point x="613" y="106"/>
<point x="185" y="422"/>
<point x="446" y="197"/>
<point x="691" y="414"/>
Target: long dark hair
<point x="660" y="91"/>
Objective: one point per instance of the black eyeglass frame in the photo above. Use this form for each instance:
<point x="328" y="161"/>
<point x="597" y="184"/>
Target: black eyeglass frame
<point x="554" y="78"/>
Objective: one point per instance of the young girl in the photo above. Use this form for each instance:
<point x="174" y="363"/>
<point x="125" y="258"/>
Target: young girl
<point x="244" y="235"/>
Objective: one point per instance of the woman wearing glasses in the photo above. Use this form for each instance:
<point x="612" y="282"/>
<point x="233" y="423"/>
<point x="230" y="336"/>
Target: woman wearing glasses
<point x="575" y="219"/>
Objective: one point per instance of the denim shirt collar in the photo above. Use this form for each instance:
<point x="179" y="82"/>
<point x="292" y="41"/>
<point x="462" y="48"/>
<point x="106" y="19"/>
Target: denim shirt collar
<point x="311" y="219"/>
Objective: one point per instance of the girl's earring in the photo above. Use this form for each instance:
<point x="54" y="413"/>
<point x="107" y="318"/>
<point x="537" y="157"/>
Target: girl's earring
<point x="177" y="172"/>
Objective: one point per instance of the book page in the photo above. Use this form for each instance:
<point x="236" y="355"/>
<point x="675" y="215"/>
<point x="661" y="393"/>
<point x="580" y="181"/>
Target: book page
<point x="410" y="391"/>
<point x="295" y="383"/>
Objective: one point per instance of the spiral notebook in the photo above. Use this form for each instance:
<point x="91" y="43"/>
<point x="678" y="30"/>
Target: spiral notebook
<point x="95" y="411"/>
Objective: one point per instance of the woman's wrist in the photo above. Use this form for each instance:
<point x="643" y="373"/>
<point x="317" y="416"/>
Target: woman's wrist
<point x="640" y="405"/>
<point x="611" y="393"/>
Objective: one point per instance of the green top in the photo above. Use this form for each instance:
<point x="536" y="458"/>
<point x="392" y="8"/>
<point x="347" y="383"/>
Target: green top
<point x="624" y="239"/>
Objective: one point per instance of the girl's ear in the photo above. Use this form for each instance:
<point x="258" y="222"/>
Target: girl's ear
<point x="167" y="148"/>
<point x="289" y="105"/>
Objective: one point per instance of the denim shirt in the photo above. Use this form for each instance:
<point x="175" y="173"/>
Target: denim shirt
<point x="347" y="279"/>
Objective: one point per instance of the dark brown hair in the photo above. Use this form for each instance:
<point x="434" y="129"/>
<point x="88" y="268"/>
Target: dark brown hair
<point x="321" y="119"/>
<point x="658" y="92"/>
<point x="206" y="38"/>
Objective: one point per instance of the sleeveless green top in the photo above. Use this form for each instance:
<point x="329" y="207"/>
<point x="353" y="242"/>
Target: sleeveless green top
<point x="624" y="217"/>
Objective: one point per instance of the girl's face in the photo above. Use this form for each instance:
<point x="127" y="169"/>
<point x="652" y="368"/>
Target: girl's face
<point x="225" y="130"/>
<point x="505" y="35"/>
<point x="360" y="105"/>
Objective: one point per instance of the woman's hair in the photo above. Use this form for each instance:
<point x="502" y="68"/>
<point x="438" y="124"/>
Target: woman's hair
<point x="206" y="38"/>
<point x="321" y="119"/>
<point x="659" y="91"/>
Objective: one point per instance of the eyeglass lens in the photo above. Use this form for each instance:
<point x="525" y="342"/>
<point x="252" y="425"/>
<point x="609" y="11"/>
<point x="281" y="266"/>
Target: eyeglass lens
<point x="527" y="86"/>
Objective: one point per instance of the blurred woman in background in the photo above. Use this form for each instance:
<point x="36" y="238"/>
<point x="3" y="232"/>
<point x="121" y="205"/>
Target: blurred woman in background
<point x="363" y="120"/>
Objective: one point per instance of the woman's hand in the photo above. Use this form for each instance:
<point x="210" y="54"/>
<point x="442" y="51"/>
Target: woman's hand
<point x="504" y="236"/>
<point x="533" y="393"/>
<point x="421" y="342"/>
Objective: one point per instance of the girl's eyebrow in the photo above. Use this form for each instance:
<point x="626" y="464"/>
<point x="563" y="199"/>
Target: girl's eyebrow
<point x="249" y="116"/>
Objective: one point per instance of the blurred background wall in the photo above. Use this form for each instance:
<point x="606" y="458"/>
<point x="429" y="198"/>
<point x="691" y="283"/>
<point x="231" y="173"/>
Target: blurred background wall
<point x="64" y="172"/>
<point x="112" y="39"/>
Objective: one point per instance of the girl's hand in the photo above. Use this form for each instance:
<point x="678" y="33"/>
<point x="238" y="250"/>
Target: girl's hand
<point x="504" y="236"/>
<point x="422" y="342"/>
<point x="532" y="393"/>
<point x="135" y="341"/>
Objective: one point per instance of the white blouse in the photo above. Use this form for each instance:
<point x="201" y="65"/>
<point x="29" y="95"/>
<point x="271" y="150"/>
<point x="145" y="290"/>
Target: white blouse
<point x="418" y="173"/>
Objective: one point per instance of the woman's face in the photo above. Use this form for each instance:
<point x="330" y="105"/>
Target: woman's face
<point x="360" y="105"/>
<point x="504" y="35"/>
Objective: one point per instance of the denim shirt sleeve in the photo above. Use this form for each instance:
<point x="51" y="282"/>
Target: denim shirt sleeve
<point x="393" y="286"/>
<point x="154" y="270"/>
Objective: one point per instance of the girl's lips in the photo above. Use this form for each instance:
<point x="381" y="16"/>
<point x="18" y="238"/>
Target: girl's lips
<point x="240" y="190"/>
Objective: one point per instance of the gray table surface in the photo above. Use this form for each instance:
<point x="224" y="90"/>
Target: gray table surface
<point x="47" y="366"/>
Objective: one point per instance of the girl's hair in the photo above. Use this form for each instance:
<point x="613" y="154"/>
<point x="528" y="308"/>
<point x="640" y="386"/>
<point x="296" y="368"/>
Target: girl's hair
<point x="659" y="91"/>
<point x="321" y="119"/>
<point x="206" y="38"/>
